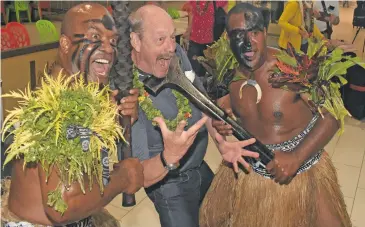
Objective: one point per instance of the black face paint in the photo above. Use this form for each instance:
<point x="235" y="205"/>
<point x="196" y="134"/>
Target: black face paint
<point x="73" y="57"/>
<point x="80" y="41"/>
<point x="115" y="54"/>
<point x="240" y="44"/>
<point x="107" y="21"/>
<point x="241" y="36"/>
<point x="84" y="44"/>
<point x="87" y="63"/>
<point x="83" y="48"/>
<point x="79" y="35"/>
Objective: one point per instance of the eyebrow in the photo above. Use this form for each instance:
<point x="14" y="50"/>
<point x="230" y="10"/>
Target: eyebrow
<point x="95" y="28"/>
<point x="79" y="35"/>
<point x="163" y="32"/>
<point x="93" y="20"/>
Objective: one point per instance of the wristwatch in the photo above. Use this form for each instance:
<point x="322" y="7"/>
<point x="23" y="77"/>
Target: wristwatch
<point x="169" y="167"/>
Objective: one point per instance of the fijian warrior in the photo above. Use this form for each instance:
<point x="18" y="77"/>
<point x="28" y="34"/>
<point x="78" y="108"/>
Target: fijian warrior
<point x="299" y="187"/>
<point x="87" y="45"/>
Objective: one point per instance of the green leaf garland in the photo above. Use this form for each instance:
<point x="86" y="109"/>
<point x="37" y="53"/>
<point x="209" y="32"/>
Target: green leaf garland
<point x="44" y="116"/>
<point x="313" y="73"/>
<point x="145" y="102"/>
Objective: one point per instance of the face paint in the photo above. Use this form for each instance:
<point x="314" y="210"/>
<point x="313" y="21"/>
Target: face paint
<point x="87" y="62"/>
<point x="107" y="21"/>
<point x="85" y="54"/>
<point x="95" y="50"/>
<point x="244" y="45"/>
<point x="246" y="39"/>
<point x="240" y="44"/>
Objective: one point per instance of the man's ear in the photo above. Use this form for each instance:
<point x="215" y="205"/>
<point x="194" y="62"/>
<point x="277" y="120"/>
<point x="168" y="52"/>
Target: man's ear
<point x="65" y="44"/>
<point x="135" y="41"/>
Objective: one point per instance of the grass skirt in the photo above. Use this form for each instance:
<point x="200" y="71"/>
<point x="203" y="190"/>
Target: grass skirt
<point x="254" y="201"/>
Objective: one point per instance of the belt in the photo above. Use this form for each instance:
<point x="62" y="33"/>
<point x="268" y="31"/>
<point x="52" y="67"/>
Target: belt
<point x="261" y="170"/>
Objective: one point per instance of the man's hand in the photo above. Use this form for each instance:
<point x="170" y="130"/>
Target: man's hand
<point x="345" y="46"/>
<point x="316" y="14"/>
<point x="233" y="151"/>
<point x="221" y="127"/>
<point x="333" y="19"/>
<point x="303" y="33"/>
<point x="186" y="35"/>
<point x="130" y="173"/>
<point x="284" y="167"/>
<point x="129" y="105"/>
<point x="177" y="143"/>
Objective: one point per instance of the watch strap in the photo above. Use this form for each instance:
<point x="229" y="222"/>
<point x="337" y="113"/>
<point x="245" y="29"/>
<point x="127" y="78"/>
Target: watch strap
<point x="167" y="166"/>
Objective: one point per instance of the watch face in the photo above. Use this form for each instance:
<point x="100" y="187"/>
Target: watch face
<point x="172" y="166"/>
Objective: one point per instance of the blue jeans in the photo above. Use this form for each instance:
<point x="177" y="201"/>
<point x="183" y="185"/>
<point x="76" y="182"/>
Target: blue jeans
<point x="177" y="198"/>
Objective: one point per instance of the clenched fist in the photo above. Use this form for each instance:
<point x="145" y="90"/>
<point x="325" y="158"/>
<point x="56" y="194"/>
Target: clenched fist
<point x="129" y="173"/>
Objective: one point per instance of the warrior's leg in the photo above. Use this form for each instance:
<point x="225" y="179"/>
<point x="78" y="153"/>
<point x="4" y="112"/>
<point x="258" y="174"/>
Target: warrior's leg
<point x="330" y="201"/>
<point x="327" y="215"/>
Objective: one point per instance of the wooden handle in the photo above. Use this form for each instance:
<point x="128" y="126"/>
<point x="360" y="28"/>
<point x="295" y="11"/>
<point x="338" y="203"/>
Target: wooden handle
<point x="128" y="199"/>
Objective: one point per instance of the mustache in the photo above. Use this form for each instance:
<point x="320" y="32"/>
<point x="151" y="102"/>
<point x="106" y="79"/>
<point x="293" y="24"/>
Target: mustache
<point x="165" y="56"/>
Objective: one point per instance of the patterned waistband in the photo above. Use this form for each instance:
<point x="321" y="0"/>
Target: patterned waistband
<point x="87" y="222"/>
<point x="289" y="146"/>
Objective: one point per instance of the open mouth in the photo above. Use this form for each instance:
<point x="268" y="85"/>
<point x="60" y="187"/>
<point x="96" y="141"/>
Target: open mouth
<point x="249" y="55"/>
<point x="101" y="66"/>
<point x="164" y="63"/>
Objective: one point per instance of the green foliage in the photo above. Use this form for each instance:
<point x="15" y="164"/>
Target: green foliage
<point x="174" y="13"/>
<point x="44" y="116"/>
<point x="151" y="112"/>
<point x="54" y="201"/>
<point x="287" y="59"/>
<point x="315" y="73"/>
<point x="220" y="57"/>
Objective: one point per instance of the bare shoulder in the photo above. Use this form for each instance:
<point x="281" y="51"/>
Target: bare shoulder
<point x="272" y="52"/>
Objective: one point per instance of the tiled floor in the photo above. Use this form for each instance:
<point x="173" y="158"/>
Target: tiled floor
<point x="347" y="152"/>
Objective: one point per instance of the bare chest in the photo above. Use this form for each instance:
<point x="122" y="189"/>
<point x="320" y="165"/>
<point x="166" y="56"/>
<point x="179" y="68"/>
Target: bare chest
<point x="277" y="111"/>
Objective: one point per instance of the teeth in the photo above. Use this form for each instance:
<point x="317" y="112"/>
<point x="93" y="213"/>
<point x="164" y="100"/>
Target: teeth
<point x="102" y="61"/>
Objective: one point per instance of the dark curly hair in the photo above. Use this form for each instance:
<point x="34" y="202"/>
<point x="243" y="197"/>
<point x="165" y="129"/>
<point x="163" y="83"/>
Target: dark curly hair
<point x="121" y="75"/>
